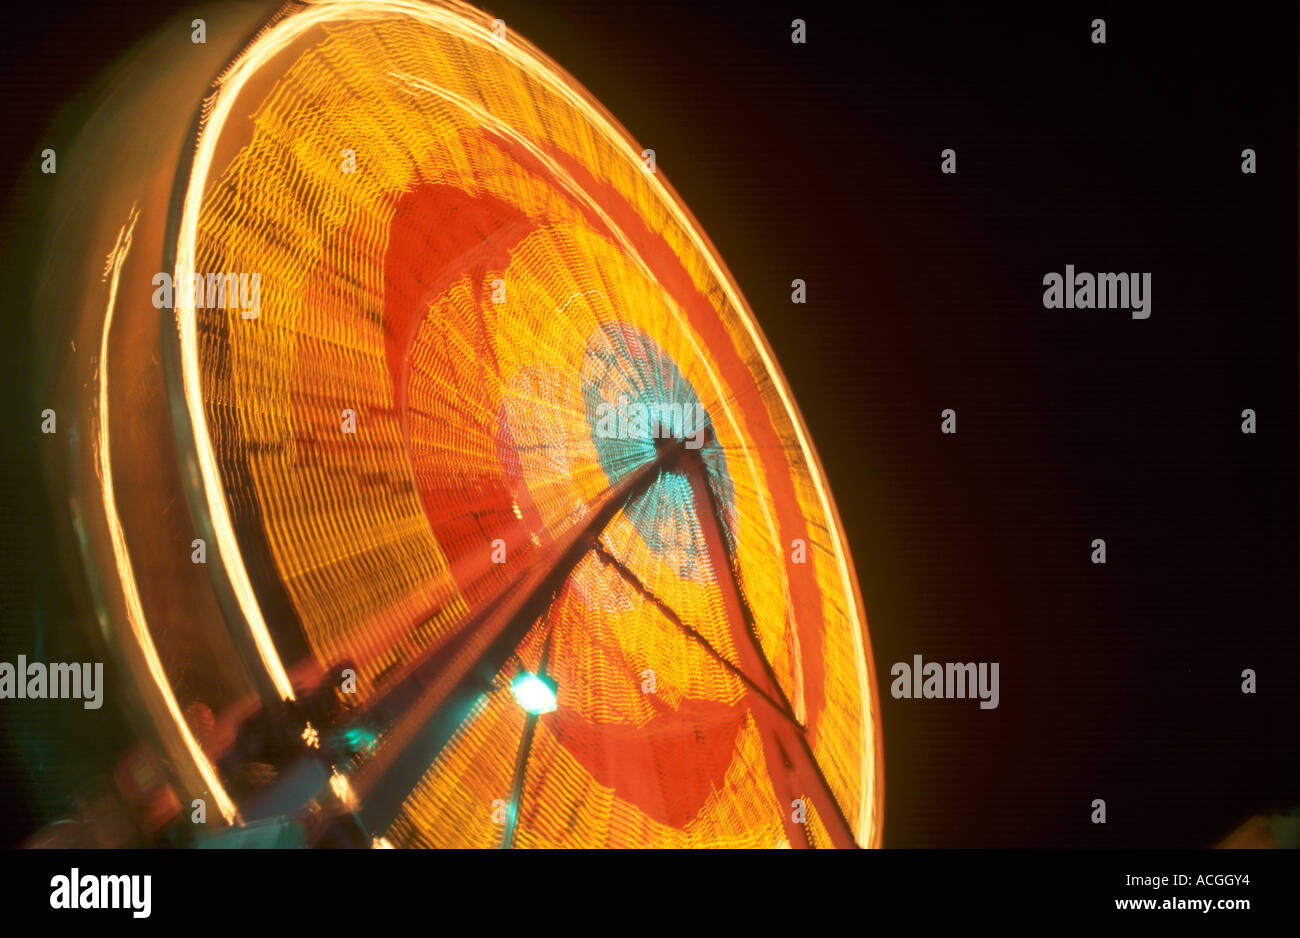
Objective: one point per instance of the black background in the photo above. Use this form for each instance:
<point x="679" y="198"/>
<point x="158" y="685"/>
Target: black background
<point x="821" y="161"/>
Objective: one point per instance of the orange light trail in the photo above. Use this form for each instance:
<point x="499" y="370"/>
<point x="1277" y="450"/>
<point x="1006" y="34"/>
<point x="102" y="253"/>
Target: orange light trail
<point x="473" y="28"/>
<point x="121" y="554"/>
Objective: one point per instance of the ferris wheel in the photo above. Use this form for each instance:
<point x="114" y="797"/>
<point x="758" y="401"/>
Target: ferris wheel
<point x="473" y="420"/>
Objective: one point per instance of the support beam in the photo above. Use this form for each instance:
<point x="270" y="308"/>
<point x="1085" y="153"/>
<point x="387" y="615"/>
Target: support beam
<point x="789" y="757"/>
<point x="521" y="761"/>
<point x="481" y="648"/>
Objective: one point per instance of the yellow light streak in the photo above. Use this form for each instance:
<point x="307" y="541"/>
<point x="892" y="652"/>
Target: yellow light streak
<point x="473" y="27"/>
<point x="122" y="555"/>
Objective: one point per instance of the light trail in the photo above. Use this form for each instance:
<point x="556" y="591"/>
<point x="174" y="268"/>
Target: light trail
<point x="121" y="554"/>
<point x="474" y="27"/>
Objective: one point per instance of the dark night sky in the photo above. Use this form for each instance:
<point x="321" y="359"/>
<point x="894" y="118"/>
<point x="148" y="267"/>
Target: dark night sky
<point x="821" y="161"/>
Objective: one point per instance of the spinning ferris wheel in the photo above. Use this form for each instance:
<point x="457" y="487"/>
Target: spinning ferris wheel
<point x="487" y="421"/>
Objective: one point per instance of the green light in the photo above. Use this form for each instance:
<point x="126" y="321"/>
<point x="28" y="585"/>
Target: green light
<point x="535" y="694"/>
<point x="359" y="739"/>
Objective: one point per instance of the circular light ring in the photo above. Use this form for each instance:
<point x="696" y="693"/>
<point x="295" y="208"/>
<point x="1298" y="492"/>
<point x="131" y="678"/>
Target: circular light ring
<point x="499" y="238"/>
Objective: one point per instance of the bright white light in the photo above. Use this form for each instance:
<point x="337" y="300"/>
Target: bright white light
<point x="535" y="694"/>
